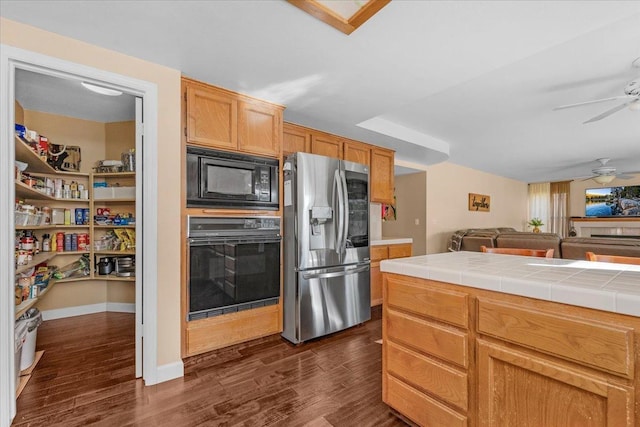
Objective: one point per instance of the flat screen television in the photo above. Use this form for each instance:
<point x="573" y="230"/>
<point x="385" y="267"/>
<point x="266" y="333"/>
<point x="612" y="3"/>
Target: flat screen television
<point x="613" y="201"/>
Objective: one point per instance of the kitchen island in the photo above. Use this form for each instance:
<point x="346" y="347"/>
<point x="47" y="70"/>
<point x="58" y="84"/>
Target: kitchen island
<point x="499" y="340"/>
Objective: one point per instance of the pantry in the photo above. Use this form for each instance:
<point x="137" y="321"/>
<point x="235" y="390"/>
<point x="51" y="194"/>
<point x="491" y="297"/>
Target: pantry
<point x="75" y="210"/>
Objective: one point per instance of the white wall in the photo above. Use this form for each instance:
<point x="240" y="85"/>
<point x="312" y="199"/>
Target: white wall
<point x="448" y="188"/>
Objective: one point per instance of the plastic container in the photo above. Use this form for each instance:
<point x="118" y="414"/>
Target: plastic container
<point x="20" y="333"/>
<point x="32" y="319"/>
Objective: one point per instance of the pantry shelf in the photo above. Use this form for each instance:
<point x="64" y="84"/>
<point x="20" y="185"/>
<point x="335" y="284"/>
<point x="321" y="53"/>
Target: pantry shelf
<point x="37" y="259"/>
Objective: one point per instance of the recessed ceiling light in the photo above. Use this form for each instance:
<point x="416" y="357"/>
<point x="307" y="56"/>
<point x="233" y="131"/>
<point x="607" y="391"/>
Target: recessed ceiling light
<point x="101" y="90"/>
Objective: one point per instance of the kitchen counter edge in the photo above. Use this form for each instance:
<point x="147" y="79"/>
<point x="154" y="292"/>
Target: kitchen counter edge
<point x="391" y="241"/>
<point x="603" y="286"/>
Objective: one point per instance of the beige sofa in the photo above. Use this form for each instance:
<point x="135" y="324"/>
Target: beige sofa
<point x="569" y="247"/>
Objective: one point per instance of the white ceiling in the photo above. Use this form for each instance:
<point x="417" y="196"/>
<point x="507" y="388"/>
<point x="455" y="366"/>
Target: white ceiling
<point x="471" y="81"/>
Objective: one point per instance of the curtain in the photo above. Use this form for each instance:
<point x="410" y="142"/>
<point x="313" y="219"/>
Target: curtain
<point x="559" y="214"/>
<point x="539" y="203"/>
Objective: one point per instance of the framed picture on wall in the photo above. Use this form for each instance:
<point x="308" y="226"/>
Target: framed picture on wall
<point x="479" y="202"/>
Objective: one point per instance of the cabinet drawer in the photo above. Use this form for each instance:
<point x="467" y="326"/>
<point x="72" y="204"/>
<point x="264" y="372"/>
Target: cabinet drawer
<point x="378" y="253"/>
<point x="399" y="251"/>
<point x="419" y="407"/>
<point x="447" y="306"/>
<point x="605" y="346"/>
<point x="446" y="343"/>
<point x="447" y="383"/>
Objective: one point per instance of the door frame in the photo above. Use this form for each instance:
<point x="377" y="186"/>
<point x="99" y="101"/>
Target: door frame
<point x="12" y="58"/>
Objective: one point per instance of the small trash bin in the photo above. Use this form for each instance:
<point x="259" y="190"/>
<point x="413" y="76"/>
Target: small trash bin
<point x="32" y="319"/>
<point x="20" y="332"/>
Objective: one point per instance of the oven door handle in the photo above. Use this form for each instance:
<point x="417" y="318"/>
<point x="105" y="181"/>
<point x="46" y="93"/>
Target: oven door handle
<point x="216" y="241"/>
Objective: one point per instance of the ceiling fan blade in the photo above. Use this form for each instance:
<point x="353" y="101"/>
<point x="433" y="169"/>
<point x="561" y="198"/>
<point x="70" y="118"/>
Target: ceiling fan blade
<point x="607" y="113"/>
<point x="628" y="174"/>
<point x="562" y="107"/>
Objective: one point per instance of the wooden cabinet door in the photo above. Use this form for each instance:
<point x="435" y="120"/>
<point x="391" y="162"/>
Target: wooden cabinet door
<point x="212" y="118"/>
<point x="325" y="144"/>
<point x="358" y="152"/>
<point x="400" y="251"/>
<point x="518" y="388"/>
<point x="259" y="128"/>
<point x="295" y="139"/>
<point x="381" y="175"/>
<point x="377" y="254"/>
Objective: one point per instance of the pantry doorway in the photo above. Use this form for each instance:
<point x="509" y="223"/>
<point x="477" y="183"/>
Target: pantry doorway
<point x="145" y="93"/>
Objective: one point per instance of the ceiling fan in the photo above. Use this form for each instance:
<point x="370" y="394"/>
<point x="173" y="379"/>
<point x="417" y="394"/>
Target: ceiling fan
<point x="604" y="174"/>
<point x="631" y="99"/>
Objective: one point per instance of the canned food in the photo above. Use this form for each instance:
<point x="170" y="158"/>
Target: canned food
<point x="83" y="242"/>
<point x="79" y="216"/>
<point x="26" y="243"/>
<point x="60" y="242"/>
<point x="67" y="242"/>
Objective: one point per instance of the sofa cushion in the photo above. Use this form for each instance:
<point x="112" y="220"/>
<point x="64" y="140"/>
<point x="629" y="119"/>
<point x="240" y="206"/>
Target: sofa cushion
<point x="528" y="240"/>
<point x="577" y="247"/>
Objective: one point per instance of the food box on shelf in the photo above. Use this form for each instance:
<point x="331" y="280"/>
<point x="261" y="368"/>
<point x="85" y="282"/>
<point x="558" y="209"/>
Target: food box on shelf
<point x="102" y="193"/>
<point x="27" y="218"/>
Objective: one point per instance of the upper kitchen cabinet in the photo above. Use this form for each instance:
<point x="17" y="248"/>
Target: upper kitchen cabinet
<point x="219" y="118"/>
<point x="259" y="128"/>
<point x="325" y="144"/>
<point x="295" y="139"/>
<point x="212" y="117"/>
<point x="382" y="175"/>
<point x="358" y="152"/>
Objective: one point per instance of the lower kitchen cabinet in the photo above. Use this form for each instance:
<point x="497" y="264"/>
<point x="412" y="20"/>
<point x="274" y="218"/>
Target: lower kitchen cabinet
<point x="217" y="332"/>
<point x="517" y="388"/>
<point x="458" y="356"/>
<point x="379" y="253"/>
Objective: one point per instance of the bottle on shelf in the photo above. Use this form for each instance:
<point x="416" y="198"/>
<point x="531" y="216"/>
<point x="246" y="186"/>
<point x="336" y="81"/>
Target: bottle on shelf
<point x="46" y="243"/>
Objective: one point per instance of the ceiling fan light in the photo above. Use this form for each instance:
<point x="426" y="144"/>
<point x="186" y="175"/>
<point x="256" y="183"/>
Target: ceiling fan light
<point x="101" y="90"/>
<point x="635" y="105"/>
<point x="604" y="179"/>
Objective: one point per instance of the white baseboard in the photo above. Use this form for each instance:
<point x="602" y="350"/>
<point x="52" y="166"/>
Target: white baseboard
<point x="169" y="371"/>
<point x="80" y="310"/>
<point x="121" y="307"/>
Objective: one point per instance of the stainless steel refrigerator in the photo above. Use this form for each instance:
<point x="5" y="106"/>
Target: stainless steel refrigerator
<point x="326" y="246"/>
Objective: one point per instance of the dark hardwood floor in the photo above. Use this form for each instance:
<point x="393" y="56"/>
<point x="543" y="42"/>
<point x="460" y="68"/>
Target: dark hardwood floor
<point x="86" y="377"/>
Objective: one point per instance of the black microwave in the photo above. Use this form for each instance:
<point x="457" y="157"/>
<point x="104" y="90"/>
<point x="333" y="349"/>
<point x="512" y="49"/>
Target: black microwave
<point x="220" y="179"/>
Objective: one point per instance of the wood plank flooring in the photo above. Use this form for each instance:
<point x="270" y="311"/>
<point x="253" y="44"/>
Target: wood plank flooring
<point x="86" y="377"/>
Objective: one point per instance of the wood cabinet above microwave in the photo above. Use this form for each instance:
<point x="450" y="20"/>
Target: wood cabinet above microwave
<point x="218" y="118"/>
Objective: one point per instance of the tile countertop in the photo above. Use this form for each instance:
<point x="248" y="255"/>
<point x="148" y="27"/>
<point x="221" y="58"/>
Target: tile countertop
<point x="391" y="241"/>
<point x="603" y="286"/>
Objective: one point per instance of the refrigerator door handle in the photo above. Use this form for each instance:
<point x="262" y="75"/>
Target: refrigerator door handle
<point x="336" y="273"/>
<point x="337" y="182"/>
<point x="345" y="214"/>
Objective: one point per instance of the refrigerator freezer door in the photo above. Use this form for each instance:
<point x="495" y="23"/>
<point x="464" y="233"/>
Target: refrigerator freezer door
<point x="330" y="300"/>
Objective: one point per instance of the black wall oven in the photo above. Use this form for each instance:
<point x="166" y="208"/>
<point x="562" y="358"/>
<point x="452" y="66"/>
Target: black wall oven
<point x="219" y="179"/>
<point x="234" y="264"/>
